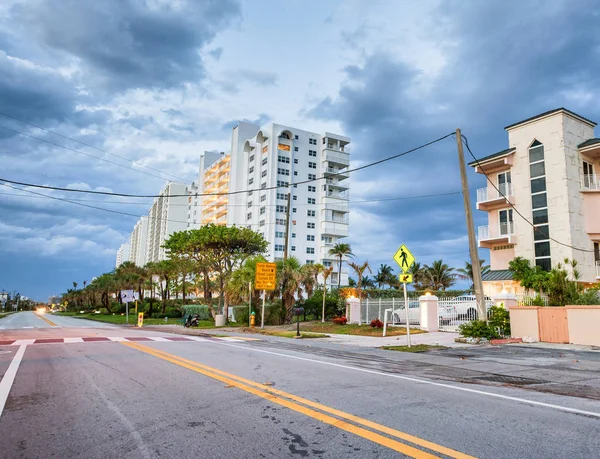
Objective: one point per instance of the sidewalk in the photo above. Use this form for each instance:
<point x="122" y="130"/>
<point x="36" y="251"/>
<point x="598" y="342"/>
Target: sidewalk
<point x="437" y="338"/>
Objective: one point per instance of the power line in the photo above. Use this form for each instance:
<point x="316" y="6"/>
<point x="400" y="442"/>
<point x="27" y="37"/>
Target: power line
<point x="466" y="142"/>
<point x="80" y="152"/>
<point x="88" y="145"/>
<point x="229" y="193"/>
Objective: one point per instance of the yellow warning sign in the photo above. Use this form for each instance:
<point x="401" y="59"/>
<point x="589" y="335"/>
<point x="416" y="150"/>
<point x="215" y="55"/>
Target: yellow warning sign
<point x="405" y="278"/>
<point x="140" y="319"/>
<point x="404" y="258"/>
<point x="266" y="276"/>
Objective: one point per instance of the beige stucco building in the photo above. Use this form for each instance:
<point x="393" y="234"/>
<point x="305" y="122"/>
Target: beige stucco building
<point x="548" y="175"/>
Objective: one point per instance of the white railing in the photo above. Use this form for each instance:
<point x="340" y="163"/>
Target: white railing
<point x="339" y="157"/>
<point x="372" y="309"/>
<point x="334" y="147"/>
<point x="485" y="233"/>
<point x="598" y="269"/>
<point x="491" y="194"/>
<point x="333" y="170"/>
<point x="590" y="182"/>
<point x="528" y="299"/>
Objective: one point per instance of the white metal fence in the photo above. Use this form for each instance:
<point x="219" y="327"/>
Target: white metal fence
<point x="372" y="309"/>
<point x="526" y="299"/>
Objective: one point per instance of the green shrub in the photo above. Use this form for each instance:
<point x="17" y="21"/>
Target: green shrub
<point x="202" y="311"/>
<point x="241" y="314"/>
<point x="172" y="313"/>
<point x="478" y="329"/>
<point x="499" y="319"/>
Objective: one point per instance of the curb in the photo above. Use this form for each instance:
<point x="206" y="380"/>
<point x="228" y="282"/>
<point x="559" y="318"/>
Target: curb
<point x="506" y="341"/>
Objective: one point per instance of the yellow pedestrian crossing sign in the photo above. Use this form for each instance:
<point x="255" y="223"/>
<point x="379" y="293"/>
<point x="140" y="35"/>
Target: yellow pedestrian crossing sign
<point x="405" y="278"/>
<point x="404" y="258"/>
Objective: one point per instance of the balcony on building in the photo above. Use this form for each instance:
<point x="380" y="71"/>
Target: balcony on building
<point x="497" y="162"/>
<point x="492" y="235"/>
<point x="335" y="183"/>
<point x="597" y="269"/>
<point x="490" y="198"/>
<point x="339" y="173"/>
<point x="335" y="193"/>
<point x="336" y="157"/>
<point x="334" y="205"/>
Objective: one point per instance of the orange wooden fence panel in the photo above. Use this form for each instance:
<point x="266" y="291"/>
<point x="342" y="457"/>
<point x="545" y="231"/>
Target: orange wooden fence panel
<point x="553" y="324"/>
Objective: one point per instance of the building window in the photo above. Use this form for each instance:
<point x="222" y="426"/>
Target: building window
<point x="295" y="198"/>
<point x="312" y="165"/>
<point x="310" y="225"/>
<point x="312" y="201"/>
<point x="312" y="141"/>
<point x="596" y="252"/>
<point x="506" y="222"/>
<point x="282" y="171"/>
<point x="310" y="250"/>
<point x="310" y="262"/>
<point x="293" y="235"/>
<point x="251" y="158"/>
<point x="311" y="213"/>
<point x="249" y="216"/>
<point x="263" y="173"/>
<point x="539" y="206"/>
<point x="504" y="181"/>
<point x="312" y="176"/>
<point x="250" y="193"/>
<point x="295" y="160"/>
<point x="310" y="237"/>
<point x="261" y="223"/>
<point x="312" y="189"/>
<point x="279" y="234"/>
<point x="264" y="161"/>
<point x="249" y="203"/>
<point x="263" y="185"/>
<point x="295" y="148"/>
<point x="280" y="221"/>
<point x="251" y="170"/>
<point x="312" y="153"/>
<point x="588" y="175"/>
<point x="293" y="248"/>
<point x="262" y="210"/>
<point x="281" y="209"/>
<point x="294" y="209"/>
<point x="283" y="159"/>
<point x="251" y="181"/>
<point x="263" y="198"/>
<point x="296" y="137"/>
<point x="295" y="172"/>
<point x="279" y="248"/>
<point x="282" y="183"/>
<point x="281" y="196"/>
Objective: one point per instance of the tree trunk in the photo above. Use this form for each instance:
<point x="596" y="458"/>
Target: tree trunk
<point x="183" y="287"/>
<point x="340" y="273"/>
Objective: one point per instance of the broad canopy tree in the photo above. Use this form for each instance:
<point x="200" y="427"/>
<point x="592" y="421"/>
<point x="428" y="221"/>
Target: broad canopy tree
<point x="216" y="250"/>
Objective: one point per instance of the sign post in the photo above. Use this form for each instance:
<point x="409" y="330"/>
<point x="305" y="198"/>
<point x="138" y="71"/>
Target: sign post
<point x="405" y="259"/>
<point x="127" y="296"/>
<point x="265" y="279"/>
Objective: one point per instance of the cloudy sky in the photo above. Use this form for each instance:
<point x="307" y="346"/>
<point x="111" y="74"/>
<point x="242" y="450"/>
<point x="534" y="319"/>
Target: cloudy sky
<point x="157" y="82"/>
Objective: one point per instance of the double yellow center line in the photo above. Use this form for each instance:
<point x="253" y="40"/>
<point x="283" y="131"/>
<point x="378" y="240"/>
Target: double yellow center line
<point x="49" y="322"/>
<point x="309" y="408"/>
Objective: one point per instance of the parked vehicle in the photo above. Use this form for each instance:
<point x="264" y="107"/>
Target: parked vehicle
<point x="191" y="321"/>
<point x="466" y="306"/>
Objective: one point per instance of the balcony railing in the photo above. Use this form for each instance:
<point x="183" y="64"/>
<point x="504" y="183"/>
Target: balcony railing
<point x="334" y="147"/>
<point x="337" y="157"/>
<point x="590" y="182"/>
<point x="491" y="194"/>
<point x="503" y="230"/>
<point x="598" y="270"/>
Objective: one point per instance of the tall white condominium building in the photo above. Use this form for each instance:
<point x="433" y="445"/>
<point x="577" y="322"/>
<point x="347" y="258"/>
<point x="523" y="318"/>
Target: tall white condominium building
<point x="266" y="160"/>
<point x="137" y="242"/>
<point x="122" y="255"/>
<point x="549" y="174"/>
<point x="168" y="214"/>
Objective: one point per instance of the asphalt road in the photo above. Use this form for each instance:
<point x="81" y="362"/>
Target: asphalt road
<point x="222" y="398"/>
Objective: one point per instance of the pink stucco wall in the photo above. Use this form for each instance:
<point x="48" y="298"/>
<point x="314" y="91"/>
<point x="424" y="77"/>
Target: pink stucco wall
<point x="524" y="322"/>
<point x="584" y="324"/>
<point x="591" y="209"/>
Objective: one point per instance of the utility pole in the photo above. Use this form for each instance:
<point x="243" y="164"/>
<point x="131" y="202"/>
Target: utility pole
<point x="477" y="282"/>
<point x="287" y="224"/>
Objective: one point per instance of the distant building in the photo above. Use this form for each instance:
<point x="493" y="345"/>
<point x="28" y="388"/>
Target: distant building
<point x="54" y="300"/>
<point x="138" y="242"/>
<point x="122" y="255"/>
<point x="549" y="174"/>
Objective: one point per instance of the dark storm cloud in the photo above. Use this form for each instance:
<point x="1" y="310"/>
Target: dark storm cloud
<point x="123" y="44"/>
<point x="503" y="63"/>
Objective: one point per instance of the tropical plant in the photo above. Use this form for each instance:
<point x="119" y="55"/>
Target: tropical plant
<point x="384" y="276"/>
<point x="359" y="270"/>
<point x="289" y="284"/>
<point x="419" y="274"/>
<point x="466" y="273"/>
<point x="340" y="250"/>
<point x="439" y="275"/>
<point x="237" y="288"/>
<point x="325" y="273"/>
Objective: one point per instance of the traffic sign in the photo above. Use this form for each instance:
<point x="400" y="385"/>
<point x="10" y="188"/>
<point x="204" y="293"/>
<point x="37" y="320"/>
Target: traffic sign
<point x="140" y="320"/>
<point x="266" y="275"/>
<point x="406" y="278"/>
<point x="404" y="258"/>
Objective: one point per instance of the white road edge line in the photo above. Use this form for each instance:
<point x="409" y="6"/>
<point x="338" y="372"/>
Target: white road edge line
<point x="9" y="376"/>
<point x="423" y="381"/>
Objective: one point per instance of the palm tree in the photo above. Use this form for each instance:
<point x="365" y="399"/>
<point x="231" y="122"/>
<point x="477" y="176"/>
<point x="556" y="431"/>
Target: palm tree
<point x="359" y="270"/>
<point x="369" y="282"/>
<point x="326" y="272"/>
<point x="289" y="284"/>
<point x="466" y="273"/>
<point x="384" y="275"/>
<point x="237" y="288"/>
<point x="439" y="275"/>
<point x="341" y="250"/>
<point x="310" y="277"/>
<point x="419" y="276"/>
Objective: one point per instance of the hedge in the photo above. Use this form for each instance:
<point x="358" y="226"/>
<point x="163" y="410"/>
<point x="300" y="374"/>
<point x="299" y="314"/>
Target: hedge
<point x="202" y="310"/>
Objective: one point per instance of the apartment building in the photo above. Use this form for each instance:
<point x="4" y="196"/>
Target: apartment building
<point x="122" y="255"/>
<point x="547" y="174"/>
<point x="274" y="160"/>
<point x="137" y="242"/>
<point x="168" y="214"/>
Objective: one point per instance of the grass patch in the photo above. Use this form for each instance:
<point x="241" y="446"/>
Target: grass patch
<point x="292" y="334"/>
<point x="414" y="348"/>
<point x="5" y="314"/>
<point x="118" y="319"/>
<point x="353" y="329"/>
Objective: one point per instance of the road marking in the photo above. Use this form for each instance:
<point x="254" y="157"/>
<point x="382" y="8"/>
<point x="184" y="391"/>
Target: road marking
<point x="279" y="397"/>
<point x="28" y="327"/>
<point x="73" y="340"/>
<point x="116" y="338"/>
<point x="9" y="376"/>
<point x="424" y="381"/>
<point x="21" y="342"/>
<point x="49" y="322"/>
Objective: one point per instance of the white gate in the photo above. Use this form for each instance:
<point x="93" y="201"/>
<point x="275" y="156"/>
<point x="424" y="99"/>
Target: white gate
<point x="372" y="309"/>
<point x="448" y="315"/>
